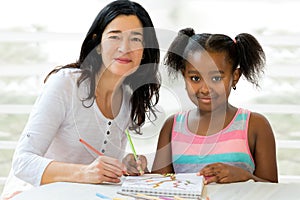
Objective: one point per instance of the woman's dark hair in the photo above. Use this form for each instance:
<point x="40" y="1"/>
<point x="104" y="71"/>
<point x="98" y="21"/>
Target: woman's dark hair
<point x="244" y="51"/>
<point x="145" y="82"/>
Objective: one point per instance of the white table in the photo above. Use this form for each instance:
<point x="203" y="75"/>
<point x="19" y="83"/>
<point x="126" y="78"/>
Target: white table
<point x="239" y="191"/>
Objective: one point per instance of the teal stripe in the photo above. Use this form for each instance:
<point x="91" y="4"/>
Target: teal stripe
<point x="229" y="157"/>
<point x="180" y="118"/>
<point x="241" y="116"/>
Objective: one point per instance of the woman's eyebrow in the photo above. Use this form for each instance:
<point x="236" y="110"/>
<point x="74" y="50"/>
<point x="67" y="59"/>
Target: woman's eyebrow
<point x="114" y="31"/>
<point x="136" y="33"/>
<point x="119" y="31"/>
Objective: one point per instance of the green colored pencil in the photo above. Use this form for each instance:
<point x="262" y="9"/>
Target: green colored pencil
<point x="131" y="144"/>
<point x="132" y="147"/>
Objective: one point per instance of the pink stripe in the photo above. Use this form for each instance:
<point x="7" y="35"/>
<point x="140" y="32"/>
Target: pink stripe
<point x="205" y="149"/>
<point x="196" y="139"/>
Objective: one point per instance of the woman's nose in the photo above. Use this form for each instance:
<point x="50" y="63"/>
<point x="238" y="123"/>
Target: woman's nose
<point x="124" y="46"/>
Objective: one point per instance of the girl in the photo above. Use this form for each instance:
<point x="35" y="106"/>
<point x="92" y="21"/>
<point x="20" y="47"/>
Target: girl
<point x="109" y="89"/>
<point x="218" y="140"/>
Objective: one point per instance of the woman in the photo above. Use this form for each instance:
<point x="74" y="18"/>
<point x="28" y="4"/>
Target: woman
<point x="110" y="88"/>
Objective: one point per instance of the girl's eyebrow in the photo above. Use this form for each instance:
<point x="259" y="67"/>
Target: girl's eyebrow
<point x="193" y="72"/>
<point x="212" y="72"/>
<point x="217" y="72"/>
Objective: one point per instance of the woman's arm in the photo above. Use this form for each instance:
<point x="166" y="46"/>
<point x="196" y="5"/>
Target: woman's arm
<point x="103" y="169"/>
<point x="163" y="157"/>
<point x="44" y="121"/>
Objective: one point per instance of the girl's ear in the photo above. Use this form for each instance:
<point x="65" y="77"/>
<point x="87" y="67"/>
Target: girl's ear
<point x="98" y="49"/>
<point x="236" y="76"/>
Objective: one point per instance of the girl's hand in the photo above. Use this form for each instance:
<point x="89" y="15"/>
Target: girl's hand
<point x="103" y="169"/>
<point x="223" y="173"/>
<point x="134" y="167"/>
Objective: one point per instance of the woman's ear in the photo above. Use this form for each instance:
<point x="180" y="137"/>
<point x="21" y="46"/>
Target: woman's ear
<point x="98" y="49"/>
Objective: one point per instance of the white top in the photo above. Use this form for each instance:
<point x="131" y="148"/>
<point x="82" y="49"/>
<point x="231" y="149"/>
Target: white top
<point x="59" y="119"/>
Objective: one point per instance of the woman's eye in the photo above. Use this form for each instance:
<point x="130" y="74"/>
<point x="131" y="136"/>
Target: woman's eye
<point x="136" y="39"/>
<point x="114" y="37"/>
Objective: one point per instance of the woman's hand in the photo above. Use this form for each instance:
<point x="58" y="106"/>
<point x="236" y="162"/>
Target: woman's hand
<point x="134" y="167"/>
<point x="103" y="169"/>
<point x="224" y="173"/>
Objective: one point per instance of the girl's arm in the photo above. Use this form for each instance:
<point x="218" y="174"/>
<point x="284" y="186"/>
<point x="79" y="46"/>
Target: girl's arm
<point x="263" y="148"/>
<point x="163" y="158"/>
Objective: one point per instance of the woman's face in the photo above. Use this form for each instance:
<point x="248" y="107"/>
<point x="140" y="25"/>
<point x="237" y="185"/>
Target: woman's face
<point x="209" y="78"/>
<point x="122" y="45"/>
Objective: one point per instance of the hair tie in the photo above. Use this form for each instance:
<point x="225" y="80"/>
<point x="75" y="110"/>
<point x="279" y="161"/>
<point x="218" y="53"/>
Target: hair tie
<point x="234" y="41"/>
<point x="94" y="36"/>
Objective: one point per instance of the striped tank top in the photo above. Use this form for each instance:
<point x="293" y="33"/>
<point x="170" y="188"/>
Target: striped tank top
<point x="190" y="152"/>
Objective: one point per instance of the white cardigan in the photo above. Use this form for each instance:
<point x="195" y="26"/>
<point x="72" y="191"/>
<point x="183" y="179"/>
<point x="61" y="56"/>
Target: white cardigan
<point x="59" y="119"/>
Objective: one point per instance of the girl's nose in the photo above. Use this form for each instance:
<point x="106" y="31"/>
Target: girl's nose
<point x="204" y="88"/>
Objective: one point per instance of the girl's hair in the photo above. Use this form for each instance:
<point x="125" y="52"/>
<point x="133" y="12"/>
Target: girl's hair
<point x="244" y="52"/>
<point x="145" y="82"/>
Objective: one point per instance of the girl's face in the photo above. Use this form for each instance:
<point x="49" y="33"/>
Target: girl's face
<point x="209" y="78"/>
<point x="122" y="46"/>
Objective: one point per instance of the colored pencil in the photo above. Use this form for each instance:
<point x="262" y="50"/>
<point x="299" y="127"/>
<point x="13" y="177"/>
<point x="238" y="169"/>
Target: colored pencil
<point x="102" y="196"/>
<point x="132" y="147"/>
<point x="90" y="147"/>
<point x="131" y="144"/>
<point x="135" y="196"/>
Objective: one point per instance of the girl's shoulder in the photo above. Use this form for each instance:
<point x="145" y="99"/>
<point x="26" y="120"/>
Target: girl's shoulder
<point x="256" y="117"/>
<point x="259" y="125"/>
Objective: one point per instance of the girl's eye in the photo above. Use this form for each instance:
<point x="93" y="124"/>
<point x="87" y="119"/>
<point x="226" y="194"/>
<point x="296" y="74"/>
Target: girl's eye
<point x="216" y="78"/>
<point x="195" y="78"/>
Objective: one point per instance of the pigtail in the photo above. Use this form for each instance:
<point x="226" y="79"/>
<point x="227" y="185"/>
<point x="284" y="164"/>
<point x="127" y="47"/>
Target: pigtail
<point x="251" y="57"/>
<point x="174" y="57"/>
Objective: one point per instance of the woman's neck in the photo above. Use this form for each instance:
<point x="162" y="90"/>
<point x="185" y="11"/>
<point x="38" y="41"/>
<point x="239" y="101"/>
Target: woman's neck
<point x="109" y="93"/>
<point x="107" y="81"/>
